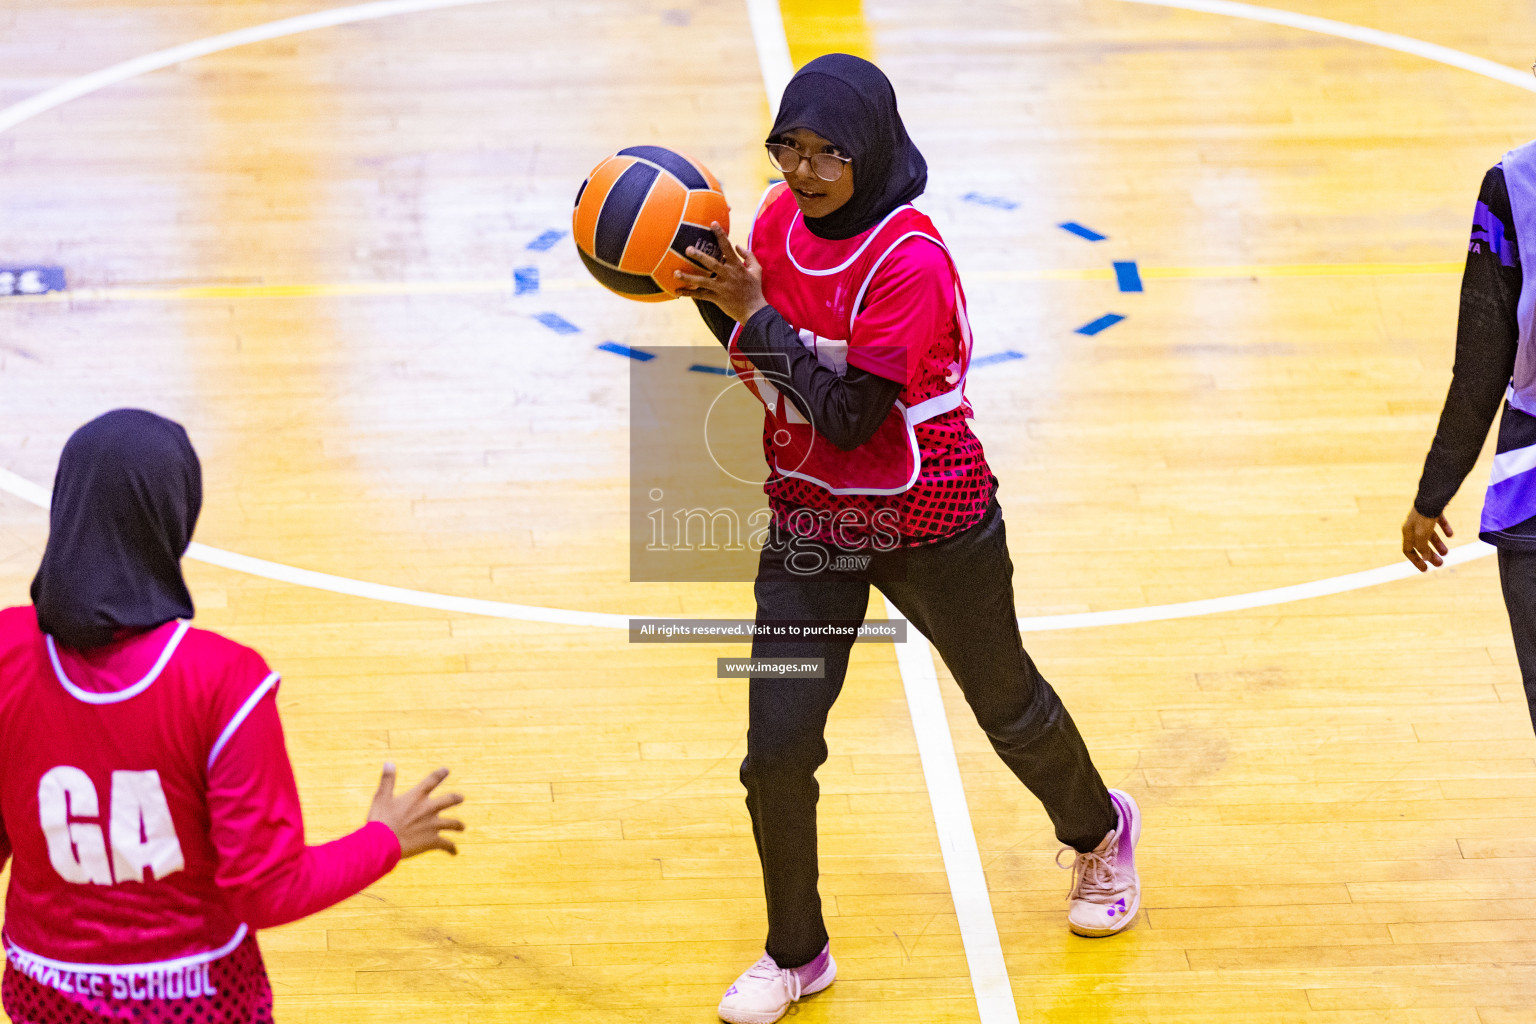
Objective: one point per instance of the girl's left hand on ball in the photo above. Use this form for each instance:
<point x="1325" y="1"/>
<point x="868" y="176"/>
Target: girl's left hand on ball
<point x="737" y="282"/>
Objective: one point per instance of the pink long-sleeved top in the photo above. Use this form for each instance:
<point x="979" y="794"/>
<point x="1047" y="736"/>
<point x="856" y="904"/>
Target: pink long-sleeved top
<point x="148" y="802"/>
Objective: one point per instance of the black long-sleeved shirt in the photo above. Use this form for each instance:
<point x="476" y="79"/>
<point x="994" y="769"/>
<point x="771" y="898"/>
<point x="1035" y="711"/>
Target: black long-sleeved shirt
<point x="1487" y="335"/>
<point x="847" y="410"/>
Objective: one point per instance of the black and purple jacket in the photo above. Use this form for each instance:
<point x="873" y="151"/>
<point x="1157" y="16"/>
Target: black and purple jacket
<point x="1495" y="363"/>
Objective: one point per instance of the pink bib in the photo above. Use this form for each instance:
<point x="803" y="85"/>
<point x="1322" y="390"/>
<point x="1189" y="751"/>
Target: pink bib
<point x="819" y="285"/>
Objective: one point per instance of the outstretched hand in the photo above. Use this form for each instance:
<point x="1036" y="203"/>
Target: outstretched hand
<point x="1420" y="544"/>
<point x="735" y="281"/>
<point x="415" y="815"/>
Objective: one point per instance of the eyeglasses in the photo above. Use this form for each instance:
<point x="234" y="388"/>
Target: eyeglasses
<point x="826" y="166"/>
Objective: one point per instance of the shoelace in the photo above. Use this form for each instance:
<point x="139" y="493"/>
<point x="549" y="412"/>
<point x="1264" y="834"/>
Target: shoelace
<point x="766" y="970"/>
<point x="1093" y="875"/>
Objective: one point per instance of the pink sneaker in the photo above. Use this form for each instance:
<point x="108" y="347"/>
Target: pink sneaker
<point x="1106" y="891"/>
<point x="765" y="992"/>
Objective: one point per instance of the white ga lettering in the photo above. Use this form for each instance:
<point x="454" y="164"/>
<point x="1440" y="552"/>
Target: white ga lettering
<point x="76" y="849"/>
<point x="143" y="835"/>
<point x="142" y="832"/>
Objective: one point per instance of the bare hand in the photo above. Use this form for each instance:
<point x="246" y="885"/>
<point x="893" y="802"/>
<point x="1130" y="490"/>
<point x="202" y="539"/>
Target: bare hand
<point x="1420" y="544"/>
<point x="414" y="814"/>
<point x="737" y="282"/>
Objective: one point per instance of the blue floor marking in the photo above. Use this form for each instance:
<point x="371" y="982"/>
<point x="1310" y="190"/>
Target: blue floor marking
<point x="997" y="357"/>
<point x="1128" y="276"/>
<point x="557" y="323"/>
<point x="625" y="350"/>
<point x="31" y="280"/>
<point x="546" y="241"/>
<point x="724" y="371"/>
<point x="1082" y="232"/>
<point x="998" y="201"/>
<point x="526" y="279"/>
<point x="1105" y="321"/>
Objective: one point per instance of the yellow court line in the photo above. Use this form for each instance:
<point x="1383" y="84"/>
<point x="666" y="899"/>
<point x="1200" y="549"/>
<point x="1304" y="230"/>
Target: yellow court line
<point x="815" y="27"/>
<point x="1305" y="270"/>
<point x="1256" y="270"/>
<point x="293" y="291"/>
<point x="491" y="287"/>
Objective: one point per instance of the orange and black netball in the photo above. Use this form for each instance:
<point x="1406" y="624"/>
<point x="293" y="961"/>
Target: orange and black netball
<point x="638" y="212"/>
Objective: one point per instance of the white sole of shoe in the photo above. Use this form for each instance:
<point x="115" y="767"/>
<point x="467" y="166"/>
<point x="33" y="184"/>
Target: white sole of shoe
<point x="747" y="1017"/>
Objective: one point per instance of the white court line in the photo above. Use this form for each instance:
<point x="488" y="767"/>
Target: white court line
<point x="28" y="491"/>
<point x="34" y="494"/>
<point x="1360" y="34"/>
<point x="44" y="101"/>
<point x="772" y="49"/>
<point x="957" y="836"/>
<point x="1257" y="599"/>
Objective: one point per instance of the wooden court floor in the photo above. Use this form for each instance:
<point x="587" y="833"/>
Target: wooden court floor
<point x="303" y="249"/>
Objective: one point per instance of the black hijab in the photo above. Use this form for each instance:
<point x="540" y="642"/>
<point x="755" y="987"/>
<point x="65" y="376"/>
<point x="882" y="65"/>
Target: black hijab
<point x="125" y="500"/>
<point x="848" y="101"/>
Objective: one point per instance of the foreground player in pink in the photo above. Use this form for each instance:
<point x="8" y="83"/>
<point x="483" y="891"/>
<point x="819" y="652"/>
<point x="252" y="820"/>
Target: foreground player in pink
<point x="846" y="318"/>
<point x="147" y="799"/>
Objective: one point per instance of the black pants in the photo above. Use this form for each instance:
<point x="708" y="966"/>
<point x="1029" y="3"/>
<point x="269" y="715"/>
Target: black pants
<point x="959" y="592"/>
<point x="1517" y="575"/>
